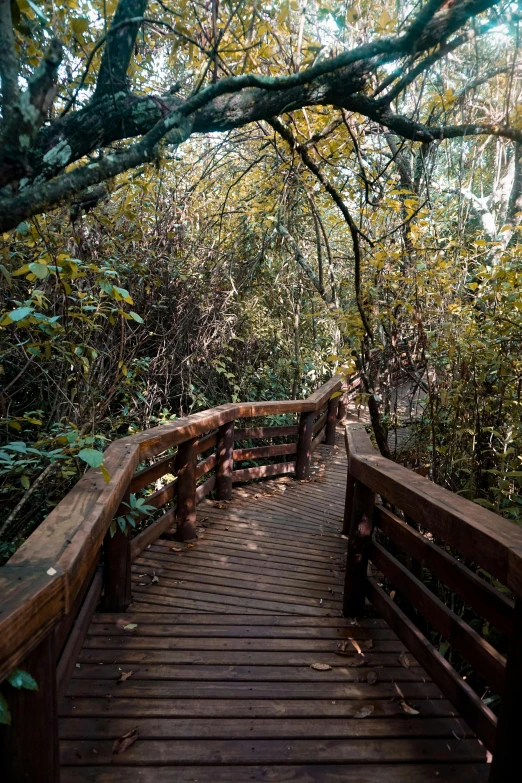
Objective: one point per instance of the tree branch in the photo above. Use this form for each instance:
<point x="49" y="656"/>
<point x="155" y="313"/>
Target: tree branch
<point x="112" y="76"/>
<point x="8" y="61"/>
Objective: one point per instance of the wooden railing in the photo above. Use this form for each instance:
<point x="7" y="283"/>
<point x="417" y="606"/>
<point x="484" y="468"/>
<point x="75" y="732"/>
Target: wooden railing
<point x="50" y="588"/>
<point x="390" y="507"/>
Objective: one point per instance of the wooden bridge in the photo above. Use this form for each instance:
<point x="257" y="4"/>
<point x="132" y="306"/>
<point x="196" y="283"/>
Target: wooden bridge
<point x="257" y="641"/>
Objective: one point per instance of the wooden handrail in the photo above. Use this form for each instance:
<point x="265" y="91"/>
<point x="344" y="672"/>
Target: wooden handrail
<point x="374" y="486"/>
<point x="40" y="583"/>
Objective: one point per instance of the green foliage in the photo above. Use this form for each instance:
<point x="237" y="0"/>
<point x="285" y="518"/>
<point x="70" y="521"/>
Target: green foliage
<point x="21" y="680"/>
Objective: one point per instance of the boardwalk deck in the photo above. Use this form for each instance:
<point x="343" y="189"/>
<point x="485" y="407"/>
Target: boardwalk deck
<point x="214" y="666"/>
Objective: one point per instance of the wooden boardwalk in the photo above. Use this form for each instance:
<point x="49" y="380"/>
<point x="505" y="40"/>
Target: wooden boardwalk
<point x="234" y="662"/>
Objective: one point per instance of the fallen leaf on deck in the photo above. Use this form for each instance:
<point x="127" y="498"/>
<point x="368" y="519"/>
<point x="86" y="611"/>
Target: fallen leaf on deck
<point x="320" y="667"/>
<point x="219" y="505"/>
<point x="404" y="660"/>
<point x="371" y="678"/>
<point x="368" y="644"/>
<point x="123" y="743"/>
<point x="125" y="676"/>
<point x="176" y="549"/>
<point x="392" y="594"/>
<point x="189" y="546"/>
<point x="155" y="578"/>
<point x="409" y="710"/>
<point x="130" y="626"/>
<point x="364" y="712"/>
<point x="140" y="576"/>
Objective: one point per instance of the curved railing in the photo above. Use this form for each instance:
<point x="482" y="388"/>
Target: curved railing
<point x="51" y="586"/>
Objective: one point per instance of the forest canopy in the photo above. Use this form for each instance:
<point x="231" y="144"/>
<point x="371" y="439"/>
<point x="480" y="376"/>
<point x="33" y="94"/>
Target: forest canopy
<point x="211" y="201"/>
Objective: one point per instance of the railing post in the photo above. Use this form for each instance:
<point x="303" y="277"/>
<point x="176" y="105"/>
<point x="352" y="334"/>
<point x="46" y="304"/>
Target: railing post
<point x="331" y="421"/>
<point x="304" y="445"/>
<point x="505" y="767"/>
<point x="342" y="406"/>
<point x="225" y="461"/>
<point x="348" y="502"/>
<point x="359" y="540"/>
<point x="29" y="746"/>
<point x="186" y="460"/>
<point x="117" y="564"/>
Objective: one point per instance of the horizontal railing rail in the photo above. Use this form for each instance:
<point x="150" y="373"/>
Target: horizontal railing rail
<point x="51" y="586"/>
<point x="405" y="526"/>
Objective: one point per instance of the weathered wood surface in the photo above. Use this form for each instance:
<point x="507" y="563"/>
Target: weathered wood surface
<point x="221" y="639"/>
<point x="58" y="557"/>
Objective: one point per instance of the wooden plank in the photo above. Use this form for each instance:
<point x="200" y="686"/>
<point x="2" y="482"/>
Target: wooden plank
<point x="359" y="543"/>
<point x="248" y="708"/>
<point x="477" y="651"/>
<point x="206" y="465"/>
<point x="506" y="759"/>
<point x="29" y="746"/>
<point x="486" y="538"/>
<point x="260" y="728"/>
<point x="170" y="595"/>
<point x="206" y="442"/>
<point x="232" y="564"/>
<point x="318" y="439"/>
<point x="245" y="751"/>
<point x="233" y="561"/>
<point x="252" y="433"/>
<point x="252" y="690"/>
<point x="264" y="550"/>
<point x="320" y="423"/>
<point x="186" y="491"/>
<point x="225" y="465"/>
<point x="255" y="581"/>
<point x="151" y="533"/>
<point x="159" y="641"/>
<point x="304" y="446"/>
<point x="117" y="563"/>
<point x="275" y="621"/>
<point x="239" y="673"/>
<point x="76" y="639"/>
<point x="479" y="717"/>
<point x="245" y="590"/>
<point x="205" y="489"/>
<point x="259" y="553"/>
<point x="313" y="773"/>
<point x="331" y="418"/>
<point x="128" y="658"/>
<point x="235" y="530"/>
<point x="152" y="473"/>
<point x="261" y="471"/>
<point x="63" y="629"/>
<point x="261" y="452"/>
<point x="488" y="602"/>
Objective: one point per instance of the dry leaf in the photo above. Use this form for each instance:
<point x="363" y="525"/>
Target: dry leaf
<point x="123" y="743"/>
<point x="408" y="709"/>
<point x="371" y="678"/>
<point x="392" y="594"/>
<point x="140" y="576"/>
<point x="130" y="626"/>
<point x="189" y="546"/>
<point x="364" y="712"/>
<point x="219" y="505"/>
<point x="320" y="667"/>
<point x="404" y="660"/>
<point x="155" y="578"/>
<point x="125" y="676"/>
<point x="368" y="644"/>
<point x="176" y="549"/>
